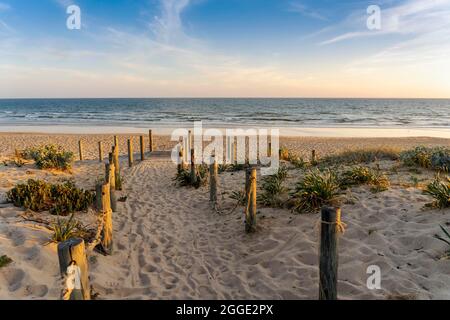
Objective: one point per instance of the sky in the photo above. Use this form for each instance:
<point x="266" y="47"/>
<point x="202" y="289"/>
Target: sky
<point x="225" y="48"/>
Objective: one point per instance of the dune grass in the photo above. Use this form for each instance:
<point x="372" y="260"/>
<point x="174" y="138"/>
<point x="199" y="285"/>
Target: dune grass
<point x="440" y="191"/>
<point x="437" y="158"/>
<point x="50" y="157"/>
<point x="273" y="188"/>
<point x="360" y="156"/>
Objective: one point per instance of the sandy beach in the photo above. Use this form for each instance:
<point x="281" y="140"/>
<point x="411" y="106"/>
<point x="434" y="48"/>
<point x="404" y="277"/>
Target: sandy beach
<point x="170" y="244"/>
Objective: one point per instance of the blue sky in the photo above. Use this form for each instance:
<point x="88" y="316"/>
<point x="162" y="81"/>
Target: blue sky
<point x="293" y="48"/>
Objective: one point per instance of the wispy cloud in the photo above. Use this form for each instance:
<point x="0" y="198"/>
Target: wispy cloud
<point x="306" y="11"/>
<point x="168" y="26"/>
<point x="413" y="17"/>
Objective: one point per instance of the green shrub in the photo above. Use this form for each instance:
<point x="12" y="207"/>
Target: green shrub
<point x="50" y="157"/>
<point x="440" y="191"/>
<point x="59" y="199"/>
<point x="361" y="156"/>
<point x="4" y="261"/>
<point x="315" y="190"/>
<point x="437" y="158"/>
<point x="272" y="187"/>
<point x="364" y="175"/>
<point x="184" y="178"/>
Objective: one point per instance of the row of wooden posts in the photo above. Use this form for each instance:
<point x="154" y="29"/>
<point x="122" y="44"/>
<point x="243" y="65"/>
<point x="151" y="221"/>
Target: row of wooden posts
<point x="130" y="148"/>
<point x="72" y="254"/>
<point x="330" y="227"/>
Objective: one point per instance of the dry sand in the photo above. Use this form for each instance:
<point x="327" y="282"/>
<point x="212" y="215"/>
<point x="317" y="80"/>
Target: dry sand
<point x="170" y="244"/>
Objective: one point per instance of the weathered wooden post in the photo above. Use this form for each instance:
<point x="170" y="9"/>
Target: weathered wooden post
<point x="80" y="149"/>
<point x="98" y="195"/>
<point x="106" y="235"/>
<point x="180" y="165"/>
<point x="130" y="152"/>
<point x="150" y="138"/>
<point x="250" y="212"/>
<point x="73" y="263"/>
<point x="328" y="263"/>
<point x="193" y="168"/>
<point x="100" y="152"/>
<point x="115" y="155"/>
<point x="313" y="157"/>
<point x="116" y="142"/>
<point x="111" y="179"/>
<point x="269" y="151"/>
<point x="213" y="172"/>
<point x="141" y="145"/>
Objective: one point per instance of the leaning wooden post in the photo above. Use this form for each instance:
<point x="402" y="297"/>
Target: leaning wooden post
<point x="193" y="169"/>
<point x="80" y="149"/>
<point x="150" y="138"/>
<point x="213" y="172"/>
<point x="130" y="152"/>
<point x="111" y="179"/>
<point x="250" y="212"/>
<point x="313" y="157"/>
<point x="73" y="265"/>
<point x="100" y="152"/>
<point x="328" y="263"/>
<point x="141" y="145"/>
<point x="106" y="235"/>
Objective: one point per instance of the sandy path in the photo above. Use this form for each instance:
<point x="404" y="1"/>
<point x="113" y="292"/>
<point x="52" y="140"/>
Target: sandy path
<point x="169" y="244"/>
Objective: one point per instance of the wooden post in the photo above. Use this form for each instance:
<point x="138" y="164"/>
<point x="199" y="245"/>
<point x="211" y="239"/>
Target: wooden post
<point x="313" y="157"/>
<point x="213" y="172"/>
<point x="193" y="169"/>
<point x="150" y="138"/>
<point x="100" y="152"/>
<point x="80" y="149"/>
<point x="269" y="151"/>
<point x="111" y="179"/>
<point x="72" y="254"/>
<point x="190" y="146"/>
<point x="141" y="145"/>
<point x="115" y="154"/>
<point x="180" y="166"/>
<point x="250" y="212"/>
<point x="116" y="142"/>
<point x="98" y="195"/>
<point x="106" y="235"/>
<point x="130" y="152"/>
<point x="328" y="264"/>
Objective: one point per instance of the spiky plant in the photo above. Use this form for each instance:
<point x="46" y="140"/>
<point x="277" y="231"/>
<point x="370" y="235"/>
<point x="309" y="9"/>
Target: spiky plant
<point x="440" y="191"/>
<point x="315" y="190"/>
<point x="65" y="229"/>
<point x="445" y="239"/>
<point x="272" y="187"/>
<point x="239" y="196"/>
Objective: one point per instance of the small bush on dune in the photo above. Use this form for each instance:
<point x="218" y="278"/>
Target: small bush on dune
<point x="440" y="191"/>
<point x="364" y="175"/>
<point x="287" y="155"/>
<point x="64" y="230"/>
<point x="437" y="158"/>
<point x="59" y="199"/>
<point x="315" y="190"/>
<point x="184" y="179"/>
<point x="50" y="157"/>
<point x="361" y="156"/>
<point x="272" y="187"/>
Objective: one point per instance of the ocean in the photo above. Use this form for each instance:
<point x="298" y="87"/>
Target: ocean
<point x="217" y="112"/>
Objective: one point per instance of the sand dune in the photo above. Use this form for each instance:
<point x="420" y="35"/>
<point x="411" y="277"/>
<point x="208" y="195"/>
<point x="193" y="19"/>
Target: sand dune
<point x="170" y="244"/>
